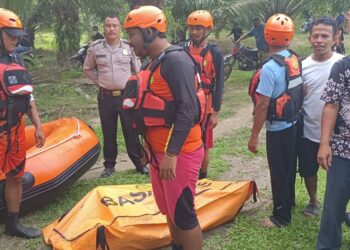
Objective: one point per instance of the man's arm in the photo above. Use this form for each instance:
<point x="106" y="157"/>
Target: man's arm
<point x="248" y="34"/>
<point x="329" y="118"/>
<point x="219" y="85"/>
<point x="264" y="91"/>
<point x="90" y="66"/>
<point x="260" y="112"/>
<point x="180" y="75"/>
<point x="34" y="118"/>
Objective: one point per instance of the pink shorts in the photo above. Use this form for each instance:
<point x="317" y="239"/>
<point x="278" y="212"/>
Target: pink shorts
<point x="175" y="198"/>
<point x="208" y="133"/>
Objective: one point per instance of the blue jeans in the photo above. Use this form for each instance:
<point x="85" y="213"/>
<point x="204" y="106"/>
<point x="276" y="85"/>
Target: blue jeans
<point x="336" y="198"/>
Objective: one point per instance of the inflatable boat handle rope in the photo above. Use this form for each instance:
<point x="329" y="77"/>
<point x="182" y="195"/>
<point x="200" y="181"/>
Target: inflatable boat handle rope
<point x="75" y="135"/>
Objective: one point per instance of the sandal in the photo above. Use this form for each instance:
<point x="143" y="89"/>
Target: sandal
<point x="311" y="210"/>
<point x="270" y="222"/>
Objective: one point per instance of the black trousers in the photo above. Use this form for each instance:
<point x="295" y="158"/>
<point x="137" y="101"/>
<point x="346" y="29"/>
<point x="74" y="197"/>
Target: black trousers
<point x="281" y="157"/>
<point x="110" y="108"/>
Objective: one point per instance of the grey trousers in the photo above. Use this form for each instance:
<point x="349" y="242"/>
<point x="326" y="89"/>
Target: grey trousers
<point x="336" y="198"/>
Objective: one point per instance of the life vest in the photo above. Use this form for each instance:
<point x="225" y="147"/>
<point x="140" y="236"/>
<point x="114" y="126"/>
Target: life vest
<point x="15" y="89"/>
<point x="146" y="109"/>
<point x="287" y="106"/>
<point x="207" y="83"/>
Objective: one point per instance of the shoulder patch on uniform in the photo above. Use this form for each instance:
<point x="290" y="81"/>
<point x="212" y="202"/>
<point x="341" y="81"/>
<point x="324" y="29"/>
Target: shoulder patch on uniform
<point x="97" y="42"/>
<point x="124" y="43"/>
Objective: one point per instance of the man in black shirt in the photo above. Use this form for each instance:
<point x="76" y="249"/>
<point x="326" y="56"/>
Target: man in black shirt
<point x="96" y="34"/>
<point x="236" y="31"/>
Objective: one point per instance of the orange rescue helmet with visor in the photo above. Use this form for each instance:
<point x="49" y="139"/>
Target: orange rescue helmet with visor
<point x="146" y="17"/>
<point x="10" y="23"/>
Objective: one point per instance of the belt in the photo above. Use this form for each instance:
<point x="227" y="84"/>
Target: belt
<point x="111" y="92"/>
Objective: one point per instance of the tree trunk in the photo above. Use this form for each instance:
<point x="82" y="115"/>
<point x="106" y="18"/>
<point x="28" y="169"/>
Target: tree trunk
<point x="66" y="28"/>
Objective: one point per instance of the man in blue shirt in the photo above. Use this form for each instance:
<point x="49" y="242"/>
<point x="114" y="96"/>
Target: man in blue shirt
<point x="280" y="130"/>
<point x="258" y="32"/>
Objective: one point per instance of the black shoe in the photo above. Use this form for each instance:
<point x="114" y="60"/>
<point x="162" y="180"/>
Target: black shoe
<point x="347" y="219"/>
<point x="176" y="247"/>
<point x="21" y="231"/>
<point x="202" y="175"/>
<point x="14" y="229"/>
<point x="107" y="172"/>
<point x="143" y="170"/>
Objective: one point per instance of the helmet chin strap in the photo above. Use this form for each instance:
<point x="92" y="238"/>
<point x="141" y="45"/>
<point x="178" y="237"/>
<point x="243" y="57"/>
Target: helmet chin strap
<point x="198" y="43"/>
<point x="2" y="47"/>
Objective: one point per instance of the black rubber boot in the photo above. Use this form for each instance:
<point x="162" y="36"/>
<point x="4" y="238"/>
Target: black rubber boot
<point x="176" y="247"/>
<point x="14" y="229"/>
<point x="347" y="219"/>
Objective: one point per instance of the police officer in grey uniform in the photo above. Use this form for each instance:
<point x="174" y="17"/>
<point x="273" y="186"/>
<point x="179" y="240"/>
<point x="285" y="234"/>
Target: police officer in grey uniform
<point x="109" y="63"/>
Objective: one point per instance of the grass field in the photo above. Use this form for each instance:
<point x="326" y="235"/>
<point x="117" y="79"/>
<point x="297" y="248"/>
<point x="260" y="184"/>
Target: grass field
<point x="64" y="92"/>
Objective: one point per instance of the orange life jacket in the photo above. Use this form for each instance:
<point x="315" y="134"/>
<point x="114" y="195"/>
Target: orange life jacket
<point x="147" y="108"/>
<point x="15" y="89"/>
<point x="207" y="84"/>
<point x="287" y="106"/>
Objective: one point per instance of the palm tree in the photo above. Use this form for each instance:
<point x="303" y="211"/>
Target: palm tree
<point x="266" y="8"/>
<point x="134" y="3"/>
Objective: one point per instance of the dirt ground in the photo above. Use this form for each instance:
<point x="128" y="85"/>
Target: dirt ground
<point x="255" y="169"/>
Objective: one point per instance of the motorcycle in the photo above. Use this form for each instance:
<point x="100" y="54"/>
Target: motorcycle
<point x="246" y="58"/>
<point x="27" y="56"/>
<point x="305" y="27"/>
<point x="78" y="59"/>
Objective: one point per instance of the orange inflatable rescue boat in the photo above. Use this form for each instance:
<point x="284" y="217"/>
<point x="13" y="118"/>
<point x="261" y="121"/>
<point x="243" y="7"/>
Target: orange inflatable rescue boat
<point x="71" y="148"/>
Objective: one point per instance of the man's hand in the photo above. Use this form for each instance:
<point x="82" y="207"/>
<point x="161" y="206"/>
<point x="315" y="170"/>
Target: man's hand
<point x="214" y="119"/>
<point x="39" y="137"/>
<point x="167" y="167"/>
<point x="253" y="143"/>
<point x="324" y="156"/>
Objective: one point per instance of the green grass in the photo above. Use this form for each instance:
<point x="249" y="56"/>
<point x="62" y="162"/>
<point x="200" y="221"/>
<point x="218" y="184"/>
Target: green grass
<point x="236" y="92"/>
<point x="68" y="199"/>
<point x="245" y="232"/>
<point x="45" y="40"/>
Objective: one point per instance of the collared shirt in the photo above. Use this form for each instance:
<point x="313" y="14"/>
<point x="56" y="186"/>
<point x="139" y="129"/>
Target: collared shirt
<point x="272" y="84"/>
<point x="337" y="91"/>
<point x="109" y="67"/>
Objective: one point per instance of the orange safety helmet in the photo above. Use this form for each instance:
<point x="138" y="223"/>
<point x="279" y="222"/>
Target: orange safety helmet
<point x="10" y="23"/>
<point x="201" y="17"/>
<point x="279" y="30"/>
<point x="146" y="17"/>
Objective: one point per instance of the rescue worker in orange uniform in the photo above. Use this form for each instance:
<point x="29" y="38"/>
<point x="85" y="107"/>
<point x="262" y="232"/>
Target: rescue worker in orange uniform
<point x="12" y="128"/>
<point x="209" y="56"/>
<point x="177" y="150"/>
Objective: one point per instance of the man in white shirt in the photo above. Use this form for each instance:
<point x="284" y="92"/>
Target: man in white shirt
<point x="316" y="70"/>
